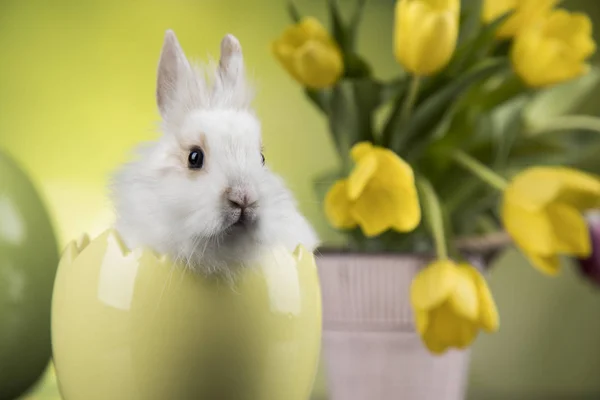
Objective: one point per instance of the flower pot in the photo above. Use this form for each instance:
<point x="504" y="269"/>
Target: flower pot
<point x="132" y="326"/>
<point x="370" y="345"/>
<point x="28" y="261"/>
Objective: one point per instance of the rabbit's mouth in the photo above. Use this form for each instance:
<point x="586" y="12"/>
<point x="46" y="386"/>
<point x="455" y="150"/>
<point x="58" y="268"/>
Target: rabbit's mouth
<point x="243" y="224"/>
<point x="240" y="219"/>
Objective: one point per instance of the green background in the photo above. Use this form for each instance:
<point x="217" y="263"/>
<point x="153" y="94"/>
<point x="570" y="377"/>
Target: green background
<point x="77" y="92"/>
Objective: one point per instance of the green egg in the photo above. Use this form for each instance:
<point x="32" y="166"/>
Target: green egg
<point x="28" y="263"/>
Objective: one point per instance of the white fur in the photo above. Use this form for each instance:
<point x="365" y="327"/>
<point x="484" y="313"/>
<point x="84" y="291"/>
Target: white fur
<point x="163" y="205"/>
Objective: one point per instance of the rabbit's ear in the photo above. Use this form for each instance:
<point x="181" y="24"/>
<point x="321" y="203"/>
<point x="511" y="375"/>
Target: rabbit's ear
<point x="173" y="70"/>
<point x="231" y="64"/>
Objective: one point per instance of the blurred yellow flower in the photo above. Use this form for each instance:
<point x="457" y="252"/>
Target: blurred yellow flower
<point x="378" y="195"/>
<point x="309" y="54"/>
<point x="451" y="304"/>
<point x="425" y="34"/>
<point x="525" y="13"/>
<point x="555" y="50"/>
<point x="542" y="209"/>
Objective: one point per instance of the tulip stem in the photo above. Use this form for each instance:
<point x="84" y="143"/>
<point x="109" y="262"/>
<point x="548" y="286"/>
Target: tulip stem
<point x="411" y="99"/>
<point x="568" y="123"/>
<point x="482" y="171"/>
<point x="434" y="215"/>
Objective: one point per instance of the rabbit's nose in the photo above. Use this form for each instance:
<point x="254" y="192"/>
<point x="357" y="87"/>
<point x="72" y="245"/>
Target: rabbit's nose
<point x="241" y="199"/>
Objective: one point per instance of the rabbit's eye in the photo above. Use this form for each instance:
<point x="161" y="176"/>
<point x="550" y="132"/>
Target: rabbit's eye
<point x="196" y="159"/>
<point x="263" y="158"/>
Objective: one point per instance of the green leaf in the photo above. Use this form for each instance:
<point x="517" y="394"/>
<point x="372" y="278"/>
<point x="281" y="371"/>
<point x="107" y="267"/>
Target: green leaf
<point x="469" y="20"/>
<point x="355" y="66"/>
<point x="432" y="110"/>
<point x="350" y="120"/>
<point x="507" y="88"/>
<point x="353" y="104"/>
<point x="461" y="194"/>
<point x="527" y="150"/>
<point x="587" y="159"/>
<point x="397" y="90"/>
<point x="450" y="233"/>
<point x="433" y="213"/>
<point x="393" y="89"/>
<point x="293" y="12"/>
<point x="338" y="30"/>
<point x="392" y="125"/>
<point x="485" y="224"/>
<point x="551" y="102"/>
<point x="355" y="21"/>
<point x="510" y="122"/>
<point x="538" y="147"/>
<point x="423" y="144"/>
<point x="320" y="98"/>
<point x="456" y="131"/>
<point x="367" y="97"/>
<point x="477" y="47"/>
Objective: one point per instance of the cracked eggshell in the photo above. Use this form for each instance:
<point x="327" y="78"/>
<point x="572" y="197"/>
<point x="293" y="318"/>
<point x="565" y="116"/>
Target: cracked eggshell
<point x="131" y="325"/>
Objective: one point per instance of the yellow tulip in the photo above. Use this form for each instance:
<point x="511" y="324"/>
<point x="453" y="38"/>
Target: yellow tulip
<point x="555" y="50"/>
<point x="309" y="54"/>
<point x="542" y="211"/>
<point x="452" y="303"/>
<point x="378" y="195"/>
<point x="524" y="14"/>
<point x="425" y="35"/>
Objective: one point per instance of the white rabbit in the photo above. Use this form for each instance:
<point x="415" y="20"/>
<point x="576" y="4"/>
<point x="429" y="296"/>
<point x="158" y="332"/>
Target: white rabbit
<point x="202" y="193"/>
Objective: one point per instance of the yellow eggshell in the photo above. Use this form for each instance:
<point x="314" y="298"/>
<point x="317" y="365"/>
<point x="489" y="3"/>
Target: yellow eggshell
<point x="133" y="326"/>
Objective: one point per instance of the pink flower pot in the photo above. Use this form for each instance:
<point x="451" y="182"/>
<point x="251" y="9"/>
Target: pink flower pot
<point x="371" y="348"/>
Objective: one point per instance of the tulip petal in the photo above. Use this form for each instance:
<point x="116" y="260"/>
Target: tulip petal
<point x="406" y="14"/>
<point x="317" y="64"/>
<point x="433" y="285"/>
<point x="521" y="55"/>
<point x="577" y="188"/>
<point x="541" y="211"/>
<point x="360" y="150"/>
<point x="526" y="14"/>
<point x="337" y="206"/>
<point x="553" y="50"/>
<point x="293" y="36"/>
<point x="394" y="170"/>
<point x="381" y="207"/>
<point x="433" y="344"/>
<point x="466" y="334"/>
<point x="540" y="186"/>
<point x="529" y="228"/>
<point x="396" y="175"/>
<point x="464" y="299"/>
<point x="374" y="210"/>
<point x="570" y="27"/>
<point x="549" y="265"/>
<point x="450" y="329"/>
<point x="391" y="200"/>
<point x="563" y="69"/>
<point x="309" y="54"/>
<point x="488" y="312"/>
<point x="284" y="53"/>
<point x="435" y="41"/>
<point x="535" y="187"/>
<point x="445" y="5"/>
<point x="313" y="29"/>
<point x="493" y="9"/>
<point x="570" y="230"/>
<point x="361" y="174"/>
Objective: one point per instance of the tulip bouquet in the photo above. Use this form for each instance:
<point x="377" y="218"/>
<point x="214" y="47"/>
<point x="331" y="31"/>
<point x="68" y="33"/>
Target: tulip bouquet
<point x="475" y="135"/>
